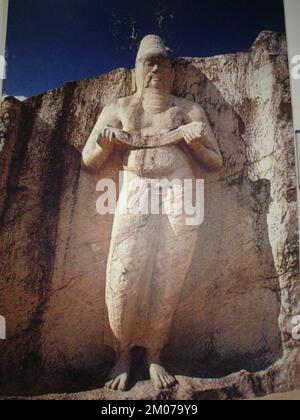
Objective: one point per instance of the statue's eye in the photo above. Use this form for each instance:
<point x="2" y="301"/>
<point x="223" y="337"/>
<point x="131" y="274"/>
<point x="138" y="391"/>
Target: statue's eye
<point x="164" y="63"/>
<point x="153" y="62"/>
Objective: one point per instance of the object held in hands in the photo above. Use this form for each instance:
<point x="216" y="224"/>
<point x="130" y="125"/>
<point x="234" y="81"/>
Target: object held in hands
<point x="188" y="132"/>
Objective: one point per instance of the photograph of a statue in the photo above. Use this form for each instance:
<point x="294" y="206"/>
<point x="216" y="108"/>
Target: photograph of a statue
<point x="150" y="254"/>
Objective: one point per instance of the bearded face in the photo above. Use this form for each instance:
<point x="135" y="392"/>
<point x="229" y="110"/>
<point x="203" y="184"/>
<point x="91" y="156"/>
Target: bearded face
<point x="155" y="73"/>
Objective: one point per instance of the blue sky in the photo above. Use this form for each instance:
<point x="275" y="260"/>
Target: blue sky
<point x="50" y="42"/>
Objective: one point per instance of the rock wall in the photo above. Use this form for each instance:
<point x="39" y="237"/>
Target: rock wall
<point x="242" y="289"/>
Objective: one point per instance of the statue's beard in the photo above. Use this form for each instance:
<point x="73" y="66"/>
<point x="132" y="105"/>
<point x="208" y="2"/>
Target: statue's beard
<point x="162" y="86"/>
<point x="155" y="100"/>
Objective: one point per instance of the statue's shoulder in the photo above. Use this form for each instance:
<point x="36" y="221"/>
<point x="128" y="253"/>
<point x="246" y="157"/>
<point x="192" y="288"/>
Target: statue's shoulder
<point x="187" y="105"/>
<point x="110" y="106"/>
<point x="191" y="108"/>
<point x="126" y="104"/>
<point x="117" y="105"/>
<point x="120" y="103"/>
<point x="127" y="101"/>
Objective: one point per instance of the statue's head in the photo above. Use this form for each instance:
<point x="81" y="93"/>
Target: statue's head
<point x="153" y="68"/>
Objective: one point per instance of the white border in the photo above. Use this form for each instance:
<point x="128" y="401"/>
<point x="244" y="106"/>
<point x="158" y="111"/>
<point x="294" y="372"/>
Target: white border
<point x="3" y="28"/>
<point x="292" y="18"/>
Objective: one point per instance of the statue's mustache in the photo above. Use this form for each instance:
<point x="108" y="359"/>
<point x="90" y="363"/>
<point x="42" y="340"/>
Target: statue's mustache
<point x="150" y="77"/>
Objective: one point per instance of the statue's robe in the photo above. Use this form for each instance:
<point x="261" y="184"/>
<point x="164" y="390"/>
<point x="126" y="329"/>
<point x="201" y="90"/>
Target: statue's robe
<point x="150" y="255"/>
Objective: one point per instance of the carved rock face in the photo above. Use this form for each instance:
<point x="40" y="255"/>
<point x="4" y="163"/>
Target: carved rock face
<point x="154" y="73"/>
<point x="244" y="274"/>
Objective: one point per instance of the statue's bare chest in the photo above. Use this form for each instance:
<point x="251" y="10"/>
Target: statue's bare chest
<point x="139" y="122"/>
<point x="154" y="161"/>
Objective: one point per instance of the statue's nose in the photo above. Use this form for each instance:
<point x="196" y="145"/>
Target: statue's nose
<point x="155" y="68"/>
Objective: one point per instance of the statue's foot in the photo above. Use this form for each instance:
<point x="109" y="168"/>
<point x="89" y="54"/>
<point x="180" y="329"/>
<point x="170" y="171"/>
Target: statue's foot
<point x="119" y="376"/>
<point x="160" y="377"/>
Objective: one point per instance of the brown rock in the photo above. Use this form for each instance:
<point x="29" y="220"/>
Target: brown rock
<point x="244" y="275"/>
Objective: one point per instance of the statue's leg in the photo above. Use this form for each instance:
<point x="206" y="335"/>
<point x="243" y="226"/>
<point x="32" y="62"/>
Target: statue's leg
<point x="174" y="256"/>
<point x="129" y="271"/>
<point x="119" y="375"/>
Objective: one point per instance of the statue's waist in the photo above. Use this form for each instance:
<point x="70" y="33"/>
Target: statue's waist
<point x="157" y="162"/>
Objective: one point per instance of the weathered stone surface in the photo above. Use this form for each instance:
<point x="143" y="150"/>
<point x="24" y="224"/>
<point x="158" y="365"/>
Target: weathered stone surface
<point x="237" y="386"/>
<point x="244" y="274"/>
<point x="155" y="233"/>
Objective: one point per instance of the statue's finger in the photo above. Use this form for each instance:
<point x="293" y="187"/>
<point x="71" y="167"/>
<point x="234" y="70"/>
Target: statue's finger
<point x="188" y="133"/>
<point x="197" y="134"/>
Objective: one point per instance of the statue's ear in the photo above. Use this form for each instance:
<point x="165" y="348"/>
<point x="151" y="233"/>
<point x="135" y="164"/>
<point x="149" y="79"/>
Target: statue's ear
<point x="133" y="81"/>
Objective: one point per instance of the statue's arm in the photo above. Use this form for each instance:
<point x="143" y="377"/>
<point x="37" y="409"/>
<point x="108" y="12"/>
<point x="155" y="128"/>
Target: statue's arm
<point x="94" y="155"/>
<point x="204" y="145"/>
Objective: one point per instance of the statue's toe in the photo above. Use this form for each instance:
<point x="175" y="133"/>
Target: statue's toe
<point x="164" y="382"/>
<point x="157" y="383"/>
<point x="172" y="381"/>
<point x="119" y="375"/>
<point x="115" y="384"/>
<point x="161" y="378"/>
<point x="109" y="384"/>
<point x="123" y="383"/>
<point x="168" y="381"/>
<point x="118" y="384"/>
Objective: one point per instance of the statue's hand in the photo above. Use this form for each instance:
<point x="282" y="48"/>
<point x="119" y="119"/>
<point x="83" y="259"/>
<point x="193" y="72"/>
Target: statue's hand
<point x="109" y="134"/>
<point x="192" y="131"/>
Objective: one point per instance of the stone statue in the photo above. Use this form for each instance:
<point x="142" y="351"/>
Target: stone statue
<point x="150" y="254"/>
